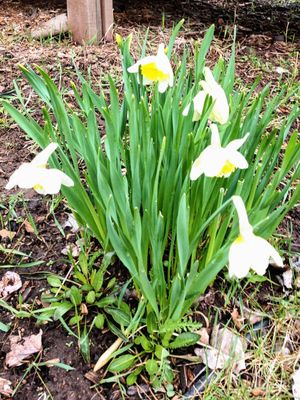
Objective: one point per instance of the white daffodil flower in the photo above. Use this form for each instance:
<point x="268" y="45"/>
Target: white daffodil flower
<point x="220" y="109"/>
<point x="155" y="69"/>
<point x="218" y="161"/>
<point x="249" y="251"/>
<point x="35" y="174"/>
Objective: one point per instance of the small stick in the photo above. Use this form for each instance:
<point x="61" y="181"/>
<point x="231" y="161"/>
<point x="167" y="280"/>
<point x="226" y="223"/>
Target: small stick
<point x="107" y="354"/>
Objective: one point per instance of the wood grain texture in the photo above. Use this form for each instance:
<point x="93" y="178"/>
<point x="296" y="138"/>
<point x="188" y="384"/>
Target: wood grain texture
<point x="85" y="20"/>
<point x="107" y="19"/>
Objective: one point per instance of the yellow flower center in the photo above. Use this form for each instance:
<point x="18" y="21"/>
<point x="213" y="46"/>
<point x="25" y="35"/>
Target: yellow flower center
<point x="151" y="72"/>
<point x="38" y="186"/>
<point x="227" y="169"/>
<point x="240" y="239"/>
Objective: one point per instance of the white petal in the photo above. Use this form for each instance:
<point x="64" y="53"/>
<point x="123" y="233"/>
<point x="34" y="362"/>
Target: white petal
<point x="237" y="159"/>
<point x="161" y="50"/>
<point x="212" y="161"/>
<point x="42" y="158"/>
<point x="134" y="68"/>
<point x="270" y="251"/>
<point x="237" y="143"/>
<point x="197" y="169"/>
<point x="186" y="110"/>
<point x="238" y="258"/>
<point x="209" y="80"/>
<point x="65" y="179"/>
<point x="215" y="136"/>
<point x="162" y="86"/>
<point x="49" y="181"/>
<point x="25" y="177"/>
<point x="260" y="255"/>
<point x="199" y="101"/>
<point x="245" y="227"/>
<point x="220" y="110"/>
<point x="171" y="79"/>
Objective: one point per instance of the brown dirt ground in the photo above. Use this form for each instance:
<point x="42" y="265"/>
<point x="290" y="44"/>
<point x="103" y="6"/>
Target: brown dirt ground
<point x="16" y="20"/>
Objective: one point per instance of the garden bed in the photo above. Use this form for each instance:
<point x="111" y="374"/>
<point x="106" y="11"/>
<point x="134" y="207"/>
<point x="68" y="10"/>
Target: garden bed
<point x="37" y="224"/>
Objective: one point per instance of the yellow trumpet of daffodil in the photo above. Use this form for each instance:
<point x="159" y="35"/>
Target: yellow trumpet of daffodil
<point x="155" y="69"/>
<point x="220" y="109"/>
<point x="249" y="251"/>
<point x="218" y="161"/>
<point x="37" y="176"/>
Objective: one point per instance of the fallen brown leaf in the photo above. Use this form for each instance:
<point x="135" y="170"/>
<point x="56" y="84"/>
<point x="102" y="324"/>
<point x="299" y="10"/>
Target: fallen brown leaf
<point x="5" y="388"/>
<point x="226" y="349"/>
<point x="287" y="277"/>
<point x="237" y="319"/>
<point x="10" y="282"/>
<point x="71" y="223"/>
<point x="51" y="363"/>
<point x="23" y="348"/>
<point x="28" y="227"/>
<point x="4" y="233"/>
<point x="204" y="336"/>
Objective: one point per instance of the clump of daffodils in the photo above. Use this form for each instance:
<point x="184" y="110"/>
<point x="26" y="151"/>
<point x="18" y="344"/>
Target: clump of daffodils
<point x="155" y="69"/>
<point x="37" y="176"/>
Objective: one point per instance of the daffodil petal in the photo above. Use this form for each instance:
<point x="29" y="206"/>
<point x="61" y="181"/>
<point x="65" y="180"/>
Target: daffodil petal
<point x="220" y="111"/>
<point x="215" y="136"/>
<point x="25" y="177"/>
<point x="237" y="159"/>
<point x="238" y="259"/>
<point x="237" y="143"/>
<point x="244" y="225"/>
<point x="50" y="181"/>
<point x="196" y="170"/>
<point x="65" y="179"/>
<point x="212" y="161"/>
<point x="134" y="68"/>
<point x="161" y="50"/>
<point x="162" y="86"/>
<point x="41" y="159"/>
<point x="272" y="253"/>
<point x="186" y="110"/>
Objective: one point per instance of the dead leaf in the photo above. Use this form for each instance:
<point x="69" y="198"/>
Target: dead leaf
<point x="23" y="348"/>
<point x="287" y="277"/>
<point x="252" y="316"/>
<point x="227" y="350"/>
<point x="5" y="388"/>
<point x="72" y="223"/>
<point x="28" y="227"/>
<point x="10" y="282"/>
<point x="71" y="248"/>
<point x="4" y="233"/>
<point x="296" y="385"/>
<point x="83" y="309"/>
<point x="51" y="363"/>
<point x="237" y="319"/>
<point x="204" y="336"/>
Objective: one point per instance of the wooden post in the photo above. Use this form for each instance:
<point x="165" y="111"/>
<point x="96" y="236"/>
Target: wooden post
<point x="107" y="19"/>
<point x="84" y="20"/>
